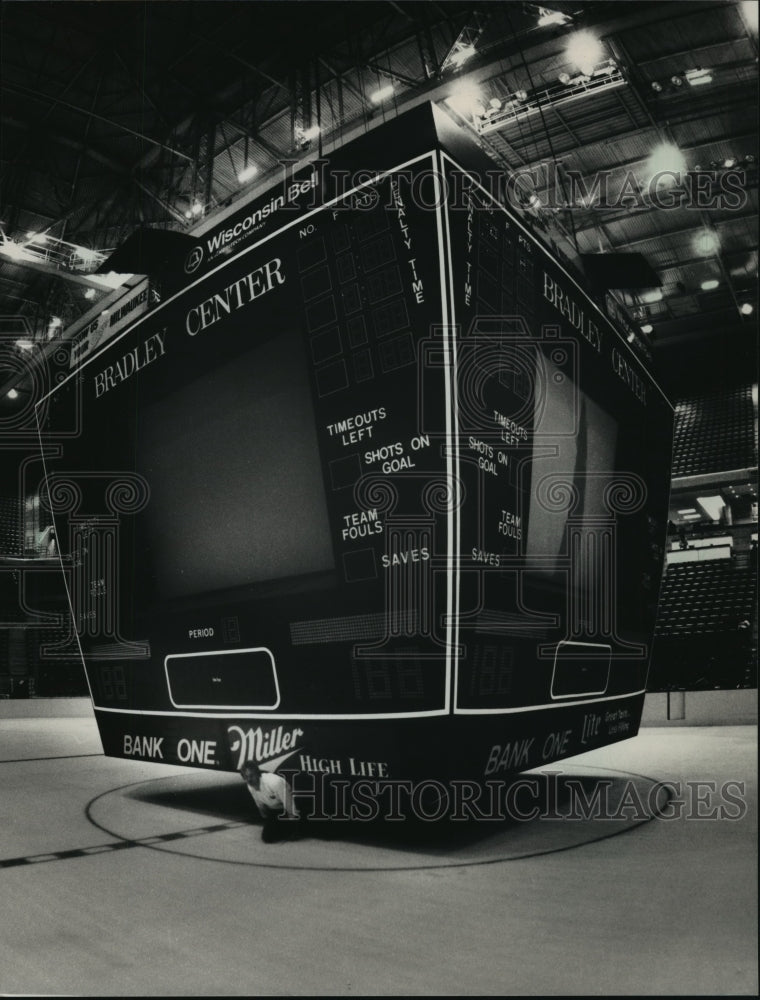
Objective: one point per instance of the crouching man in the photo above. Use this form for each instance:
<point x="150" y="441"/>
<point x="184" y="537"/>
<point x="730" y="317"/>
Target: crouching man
<point x="274" y="799"/>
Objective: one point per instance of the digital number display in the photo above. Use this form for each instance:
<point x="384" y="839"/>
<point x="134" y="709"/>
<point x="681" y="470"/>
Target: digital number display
<point x="111" y="682"/>
<point x="378" y="681"/>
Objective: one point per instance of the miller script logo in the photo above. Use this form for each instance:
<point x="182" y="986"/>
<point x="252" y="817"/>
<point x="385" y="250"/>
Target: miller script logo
<point x="262" y="745"/>
<point x="194" y="260"/>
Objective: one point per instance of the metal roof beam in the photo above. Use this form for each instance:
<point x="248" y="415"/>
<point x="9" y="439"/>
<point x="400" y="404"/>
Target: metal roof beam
<point x="669" y="234"/>
<point x="39" y="95"/>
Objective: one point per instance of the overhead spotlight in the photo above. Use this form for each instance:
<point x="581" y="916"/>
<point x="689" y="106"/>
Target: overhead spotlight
<point x="631" y="337"/>
<point x="14" y="251"/>
<point x="381" y="94"/>
<point x="90" y="293"/>
<point x="656" y="87"/>
<point x="196" y="208"/>
<point x="698" y="77"/>
<point x="706" y="242"/>
<point x="248" y="172"/>
<point x="749" y="158"/>
<point x="729" y="162"/>
<point x="311" y="133"/>
<point x="188" y="214"/>
<point x="521" y="95"/>
<point x="749" y="10"/>
<point x="709" y="284"/>
<point x="668" y="160"/>
<point x="56" y="321"/>
<point x="746" y="309"/>
<point x="466" y="99"/>
<point x="495" y="103"/>
<point x="547" y="18"/>
<point x="677" y="80"/>
<point x="12" y="394"/>
<point x="647" y="328"/>
<point x="462" y="55"/>
<point x="534" y="201"/>
<point x="654" y="295"/>
<point x="564" y="78"/>
<point x="585" y="51"/>
<point x="86" y="255"/>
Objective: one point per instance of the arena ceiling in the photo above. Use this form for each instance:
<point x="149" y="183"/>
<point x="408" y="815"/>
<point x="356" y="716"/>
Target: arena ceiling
<point x="118" y="115"/>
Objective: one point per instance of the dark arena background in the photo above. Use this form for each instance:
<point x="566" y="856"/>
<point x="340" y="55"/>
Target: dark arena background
<point x="378" y="422"/>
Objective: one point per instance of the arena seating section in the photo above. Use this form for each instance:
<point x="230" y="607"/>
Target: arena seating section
<point x="11" y="535"/>
<point x="706" y="633"/>
<point x="714" y="432"/>
<point x="24" y="671"/>
<point x="705" y="627"/>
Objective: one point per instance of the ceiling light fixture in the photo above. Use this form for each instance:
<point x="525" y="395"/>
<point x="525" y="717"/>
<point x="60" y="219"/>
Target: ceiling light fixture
<point x="14" y="251"/>
<point x="462" y="55"/>
<point x="698" y="77"/>
<point x="547" y="18"/>
<point x="667" y="160"/>
<point x="87" y="255"/>
<point x="708" y="284"/>
<point x="706" y="242"/>
<point x="749" y="10"/>
<point x="584" y="50"/>
<point x="382" y="94"/>
<point x="248" y="172"/>
<point x="466" y="99"/>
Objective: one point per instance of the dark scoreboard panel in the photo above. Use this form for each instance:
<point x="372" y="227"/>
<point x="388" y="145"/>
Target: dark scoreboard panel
<point x="564" y="450"/>
<point x="268" y="416"/>
<point x="377" y="491"/>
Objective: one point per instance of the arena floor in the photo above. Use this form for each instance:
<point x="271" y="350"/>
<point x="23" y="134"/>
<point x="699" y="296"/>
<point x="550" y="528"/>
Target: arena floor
<point x="120" y="878"/>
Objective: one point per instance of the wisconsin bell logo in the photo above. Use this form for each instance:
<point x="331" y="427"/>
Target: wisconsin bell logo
<point x="194" y="259"/>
